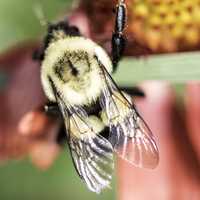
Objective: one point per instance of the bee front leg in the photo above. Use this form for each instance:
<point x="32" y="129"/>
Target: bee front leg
<point x="118" y="39"/>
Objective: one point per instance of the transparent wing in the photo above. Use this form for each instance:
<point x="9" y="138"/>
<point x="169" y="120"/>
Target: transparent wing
<point x="130" y="136"/>
<point x="93" y="159"/>
<point x="92" y="155"/>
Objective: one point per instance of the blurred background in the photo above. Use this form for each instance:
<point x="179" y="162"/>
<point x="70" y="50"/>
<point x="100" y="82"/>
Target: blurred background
<point x="20" y="179"/>
<point x="163" y="59"/>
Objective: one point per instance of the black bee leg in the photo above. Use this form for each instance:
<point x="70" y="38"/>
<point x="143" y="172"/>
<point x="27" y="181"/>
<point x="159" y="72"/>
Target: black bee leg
<point x="118" y="39"/>
<point x="38" y="54"/>
<point x="133" y="91"/>
<point x="52" y="109"/>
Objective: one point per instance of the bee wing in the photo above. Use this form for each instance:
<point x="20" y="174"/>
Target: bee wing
<point x="130" y="136"/>
<point x="92" y="154"/>
<point x="93" y="159"/>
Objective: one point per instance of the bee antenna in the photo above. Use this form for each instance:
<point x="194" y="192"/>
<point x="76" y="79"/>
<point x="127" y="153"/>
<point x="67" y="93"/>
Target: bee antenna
<point x="39" y="13"/>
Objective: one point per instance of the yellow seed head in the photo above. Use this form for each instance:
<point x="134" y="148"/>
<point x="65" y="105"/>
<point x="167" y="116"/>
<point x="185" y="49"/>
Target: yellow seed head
<point x="165" y="25"/>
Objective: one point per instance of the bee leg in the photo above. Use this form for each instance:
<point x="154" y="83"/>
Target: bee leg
<point x="52" y="109"/>
<point x="118" y="39"/>
<point x="61" y="137"/>
<point x="133" y="91"/>
<point x="38" y="54"/>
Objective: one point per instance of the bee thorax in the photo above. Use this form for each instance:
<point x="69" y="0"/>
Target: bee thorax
<point x="72" y="66"/>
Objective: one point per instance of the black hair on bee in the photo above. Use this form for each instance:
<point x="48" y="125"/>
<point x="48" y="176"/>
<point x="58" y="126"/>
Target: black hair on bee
<point x="53" y="29"/>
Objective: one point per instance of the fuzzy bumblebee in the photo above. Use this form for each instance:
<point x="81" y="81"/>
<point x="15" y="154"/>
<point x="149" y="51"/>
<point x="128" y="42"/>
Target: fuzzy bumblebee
<point x="99" y="119"/>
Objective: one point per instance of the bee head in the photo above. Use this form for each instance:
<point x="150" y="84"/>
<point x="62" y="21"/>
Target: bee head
<point x="55" y="32"/>
<point x="60" y="30"/>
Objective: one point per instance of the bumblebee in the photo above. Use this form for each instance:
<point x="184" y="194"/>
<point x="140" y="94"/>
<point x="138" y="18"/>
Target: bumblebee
<point x="99" y="118"/>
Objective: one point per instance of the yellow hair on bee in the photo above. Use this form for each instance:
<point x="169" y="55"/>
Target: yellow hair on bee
<point x="86" y="86"/>
<point x="78" y="126"/>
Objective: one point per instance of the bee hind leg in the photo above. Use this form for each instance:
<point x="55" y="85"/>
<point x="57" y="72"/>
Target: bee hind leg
<point x="118" y="39"/>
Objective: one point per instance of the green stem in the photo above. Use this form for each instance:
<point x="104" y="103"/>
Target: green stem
<point x="177" y="67"/>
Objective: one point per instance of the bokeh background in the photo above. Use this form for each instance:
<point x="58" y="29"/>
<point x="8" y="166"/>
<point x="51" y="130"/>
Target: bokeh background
<point x="20" y="179"/>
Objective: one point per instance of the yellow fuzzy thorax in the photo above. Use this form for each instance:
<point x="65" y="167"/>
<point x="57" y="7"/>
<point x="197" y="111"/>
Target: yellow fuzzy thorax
<point x="166" y="25"/>
<point x="86" y="86"/>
